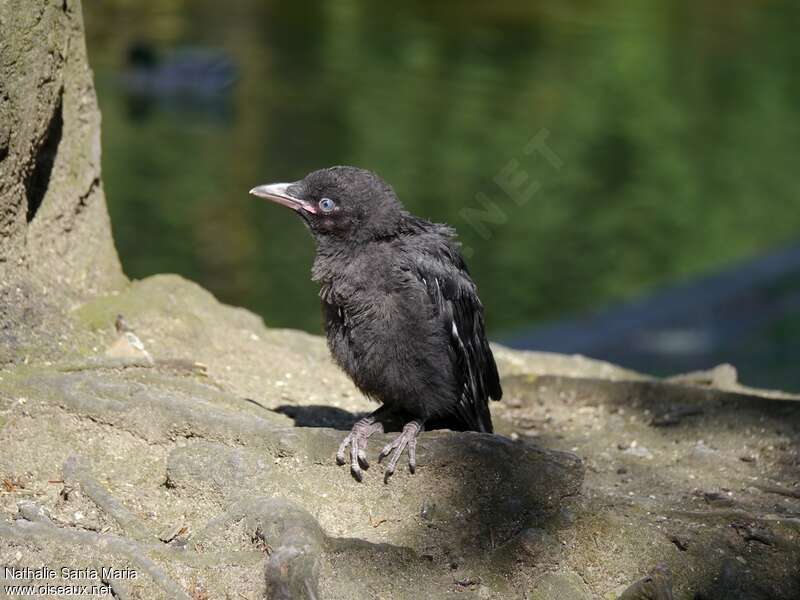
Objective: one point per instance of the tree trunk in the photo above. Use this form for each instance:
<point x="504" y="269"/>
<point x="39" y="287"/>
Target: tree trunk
<point x="55" y="238"/>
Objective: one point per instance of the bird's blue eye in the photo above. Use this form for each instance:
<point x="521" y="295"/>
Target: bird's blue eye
<point x="327" y="205"/>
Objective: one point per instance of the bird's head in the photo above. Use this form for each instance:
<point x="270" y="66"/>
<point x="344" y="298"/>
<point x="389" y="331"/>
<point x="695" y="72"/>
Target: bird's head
<point x="341" y="203"/>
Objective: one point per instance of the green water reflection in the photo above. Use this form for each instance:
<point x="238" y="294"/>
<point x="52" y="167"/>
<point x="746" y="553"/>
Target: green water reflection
<point x="676" y="123"/>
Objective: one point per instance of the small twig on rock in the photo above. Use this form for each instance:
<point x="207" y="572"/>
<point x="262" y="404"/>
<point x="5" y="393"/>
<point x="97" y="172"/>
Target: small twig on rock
<point x="376" y="523"/>
<point x="11" y="486"/>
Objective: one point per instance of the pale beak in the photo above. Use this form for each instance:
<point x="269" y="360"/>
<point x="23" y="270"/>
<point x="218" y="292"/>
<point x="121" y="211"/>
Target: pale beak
<point x="279" y="193"/>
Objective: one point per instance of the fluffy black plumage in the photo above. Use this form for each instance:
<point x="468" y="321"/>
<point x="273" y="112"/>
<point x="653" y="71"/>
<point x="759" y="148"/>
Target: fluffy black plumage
<point x="402" y="314"/>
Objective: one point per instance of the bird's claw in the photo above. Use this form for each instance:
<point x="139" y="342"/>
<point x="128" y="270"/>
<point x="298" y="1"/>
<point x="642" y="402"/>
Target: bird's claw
<point x="357" y="440"/>
<point x="407" y="439"/>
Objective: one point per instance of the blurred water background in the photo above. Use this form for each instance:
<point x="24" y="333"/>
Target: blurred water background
<point x="653" y="225"/>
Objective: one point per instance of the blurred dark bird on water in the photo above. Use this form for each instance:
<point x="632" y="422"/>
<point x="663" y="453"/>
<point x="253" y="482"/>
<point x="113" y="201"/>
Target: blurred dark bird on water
<point x="402" y="314"/>
<point x="190" y="72"/>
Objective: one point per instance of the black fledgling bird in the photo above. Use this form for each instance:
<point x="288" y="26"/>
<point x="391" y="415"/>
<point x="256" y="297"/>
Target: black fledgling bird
<point x="402" y="315"/>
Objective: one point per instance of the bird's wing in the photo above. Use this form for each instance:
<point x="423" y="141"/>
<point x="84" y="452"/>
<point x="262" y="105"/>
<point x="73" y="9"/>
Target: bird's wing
<point x="451" y="289"/>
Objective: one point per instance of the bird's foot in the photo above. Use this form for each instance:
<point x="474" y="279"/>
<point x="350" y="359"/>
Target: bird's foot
<point x="357" y="440"/>
<point x="406" y="439"/>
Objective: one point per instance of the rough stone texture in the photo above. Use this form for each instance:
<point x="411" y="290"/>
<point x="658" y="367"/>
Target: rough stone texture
<point x="210" y="470"/>
<point x="161" y="449"/>
<point x="198" y="448"/>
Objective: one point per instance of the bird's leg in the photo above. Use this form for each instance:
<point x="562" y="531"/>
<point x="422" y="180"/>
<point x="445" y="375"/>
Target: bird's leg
<point x="357" y="440"/>
<point x="406" y="439"/>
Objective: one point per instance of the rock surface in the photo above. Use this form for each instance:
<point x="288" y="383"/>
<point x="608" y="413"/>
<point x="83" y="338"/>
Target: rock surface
<point x="210" y="471"/>
<point x="194" y="448"/>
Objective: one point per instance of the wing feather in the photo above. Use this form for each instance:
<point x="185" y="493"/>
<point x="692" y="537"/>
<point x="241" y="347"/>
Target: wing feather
<point x="453" y="292"/>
